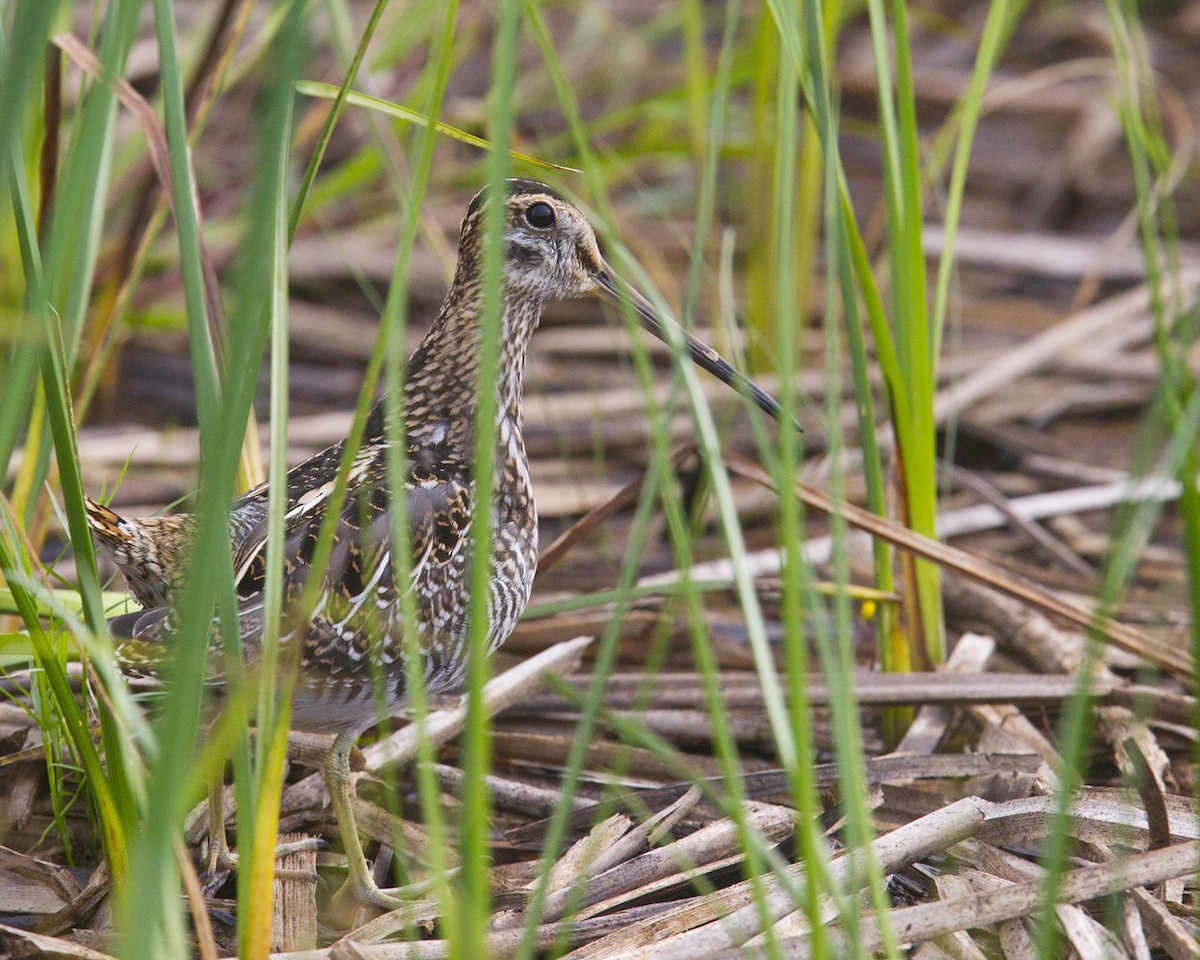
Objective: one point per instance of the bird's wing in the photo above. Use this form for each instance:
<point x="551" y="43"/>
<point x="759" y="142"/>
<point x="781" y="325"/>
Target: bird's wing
<point x="359" y="570"/>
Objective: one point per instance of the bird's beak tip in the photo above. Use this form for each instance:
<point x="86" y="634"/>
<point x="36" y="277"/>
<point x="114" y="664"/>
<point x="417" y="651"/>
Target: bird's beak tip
<point x="608" y="289"/>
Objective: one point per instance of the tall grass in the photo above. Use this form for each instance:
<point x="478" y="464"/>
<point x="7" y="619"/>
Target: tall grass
<point x="42" y="334"/>
<point x="1167" y="444"/>
<point x="771" y="68"/>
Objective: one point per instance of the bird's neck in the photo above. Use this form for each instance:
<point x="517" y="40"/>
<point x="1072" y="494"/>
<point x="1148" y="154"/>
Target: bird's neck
<point x="442" y="382"/>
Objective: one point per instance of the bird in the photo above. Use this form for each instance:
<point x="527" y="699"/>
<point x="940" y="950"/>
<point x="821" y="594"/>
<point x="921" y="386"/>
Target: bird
<point x="356" y="631"/>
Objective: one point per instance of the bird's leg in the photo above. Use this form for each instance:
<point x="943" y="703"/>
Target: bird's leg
<point x="223" y="860"/>
<point x="359" y="884"/>
<point x="220" y="858"/>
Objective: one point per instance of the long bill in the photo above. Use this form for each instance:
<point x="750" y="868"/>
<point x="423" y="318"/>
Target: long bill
<point x="609" y="290"/>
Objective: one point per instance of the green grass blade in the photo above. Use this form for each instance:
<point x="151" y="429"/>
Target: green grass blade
<point x="111" y="796"/>
<point x="997" y="28"/>
<point x="154" y="926"/>
<point x="313" y="88"/>
<point x="677" y="521"/>
<point x="796" y="575"/>
<point x="1173" y="422"/>
<point x="275" y="676"/>
<point x="395" y="321"/>
<point x="339" y="104"/>
<point x="475" y="889"/>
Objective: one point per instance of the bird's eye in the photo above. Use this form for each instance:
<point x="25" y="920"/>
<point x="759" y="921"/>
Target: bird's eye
<point x="540" y="215"/>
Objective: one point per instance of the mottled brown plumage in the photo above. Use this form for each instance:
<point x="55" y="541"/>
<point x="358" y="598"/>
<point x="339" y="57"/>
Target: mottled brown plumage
<point x="357" y="626"/>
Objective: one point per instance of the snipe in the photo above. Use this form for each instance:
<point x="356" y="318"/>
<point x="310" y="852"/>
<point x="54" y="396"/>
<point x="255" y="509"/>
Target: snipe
<point x="552" y="254"/>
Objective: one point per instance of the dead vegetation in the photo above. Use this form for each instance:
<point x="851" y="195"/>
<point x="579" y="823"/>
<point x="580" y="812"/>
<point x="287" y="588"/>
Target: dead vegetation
<point x="1051" y="364"/>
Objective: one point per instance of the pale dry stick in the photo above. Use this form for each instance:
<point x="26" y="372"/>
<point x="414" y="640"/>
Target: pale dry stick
<point x="894" y="689"/>
<point x="1155" y="562"/>
<point x="952" y="523"/>
<point x="442" y="725"/>
<point x="931" y="951"/>
<point x="1103" y="496"/>
<point x="1173" y="935"/>
<point x="1015" y="821"/>
<point x="1042" y="537"/>
<point x="1140" y="758"/>
<point x="969" y="656"/>
<point x="642" y="765"/>
<point x="647" y="833"/>
<point x="95" y="893"/>
<point x="1006" y="728"/>
<point x="50" y="875"/>
<point x="1046" y="254"/>
<point x="1078" y="400"/>
<point x="1004" y="725"/>
<point x="959" y="943"/>
<point x="677" y="919"/>
<point x="413" y="915"/>
<point x="694" y="728"/>
<point x="498" y="944"/>
<point x="1038" y="351"/>
<point x="1117" y="361"/>
<point x="1015" y="941"/>
<point x="1095" y="815"/>
<point x="294" y="919"/>
<point x="906" y="844"/>
<point x="583" y="856"/>
<point x="1087" y="936"/>
<point x="49" y="948"/>
<point x="879" y="770"/>
<point x="994" y="867"/>
<point x="683" y="880"/>
<point x="1133" y="931"/>
<point x="513" y="796"/>
<point x="930" y="920"/>
<point x="1063" y="470"/>
<point x="589" y="855"/>
<point x="1021" y="629"/>
<point x="947" y="557"/>
<point x="1141" y="905"/>
<point x="708" y="844"/>
<point x="500" y="692"/>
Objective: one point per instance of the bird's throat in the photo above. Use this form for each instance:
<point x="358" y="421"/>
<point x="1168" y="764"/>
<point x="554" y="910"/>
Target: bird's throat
<point x="442" y="383"/>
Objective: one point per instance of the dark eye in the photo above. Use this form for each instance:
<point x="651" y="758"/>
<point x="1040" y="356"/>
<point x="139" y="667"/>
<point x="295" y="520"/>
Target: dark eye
<point x="540" y="215"/>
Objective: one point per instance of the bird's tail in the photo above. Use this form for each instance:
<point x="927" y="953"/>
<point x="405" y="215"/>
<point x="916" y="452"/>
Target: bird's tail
<point x="112" y="530"/>
<point x="148" y="551"/>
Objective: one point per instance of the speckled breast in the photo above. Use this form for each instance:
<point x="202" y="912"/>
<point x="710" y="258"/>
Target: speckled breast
<point x="445" y="598"/>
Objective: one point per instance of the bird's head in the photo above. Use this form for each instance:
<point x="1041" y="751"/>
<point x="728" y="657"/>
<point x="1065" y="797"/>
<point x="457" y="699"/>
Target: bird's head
<point x="551" y="253"/>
